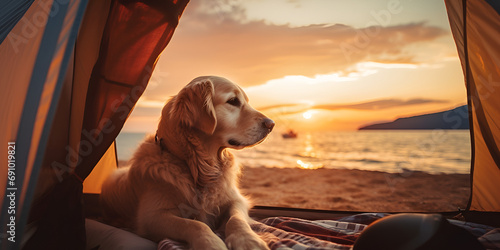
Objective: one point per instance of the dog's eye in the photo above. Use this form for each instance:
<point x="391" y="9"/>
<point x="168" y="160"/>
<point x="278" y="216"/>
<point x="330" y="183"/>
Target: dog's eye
<point x="234" y="101"/>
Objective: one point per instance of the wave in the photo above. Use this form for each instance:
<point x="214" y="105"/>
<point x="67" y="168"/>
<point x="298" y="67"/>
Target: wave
<point x="384" y="151"/>
<point x="370" y="161"/>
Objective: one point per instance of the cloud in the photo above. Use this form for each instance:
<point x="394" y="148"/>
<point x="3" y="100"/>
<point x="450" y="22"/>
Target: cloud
<point x="284" y="109"/>
<point x="279" y="106"/>
<point x="253" y="52"/>
<point x="380" y="104"/>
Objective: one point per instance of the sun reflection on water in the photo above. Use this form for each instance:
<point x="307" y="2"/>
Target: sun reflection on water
<point x="304" y="165"/>
<point x="309" y="152"/>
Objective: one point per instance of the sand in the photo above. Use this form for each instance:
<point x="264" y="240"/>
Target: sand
<point x="355" y="190"/>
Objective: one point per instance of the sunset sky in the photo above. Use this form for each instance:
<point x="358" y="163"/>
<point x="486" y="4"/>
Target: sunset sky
<point x="314" y="64"/>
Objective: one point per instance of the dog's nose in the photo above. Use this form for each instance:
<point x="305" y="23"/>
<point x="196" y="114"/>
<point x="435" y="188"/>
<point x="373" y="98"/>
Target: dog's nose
<point x="268" y="123"/>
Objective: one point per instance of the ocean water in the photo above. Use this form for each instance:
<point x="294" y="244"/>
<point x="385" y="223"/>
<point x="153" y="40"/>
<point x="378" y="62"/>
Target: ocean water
<point x="393" y="151"/>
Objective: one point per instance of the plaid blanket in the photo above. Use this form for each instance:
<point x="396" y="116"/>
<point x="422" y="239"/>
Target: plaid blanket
<point x="292" y="233"/>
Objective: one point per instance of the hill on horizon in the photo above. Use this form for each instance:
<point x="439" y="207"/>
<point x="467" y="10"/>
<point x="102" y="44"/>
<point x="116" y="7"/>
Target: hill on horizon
<point x="456" y="118"/>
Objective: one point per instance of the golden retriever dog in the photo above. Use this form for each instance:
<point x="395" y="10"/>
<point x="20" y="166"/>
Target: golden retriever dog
<point x="183" y="183"/>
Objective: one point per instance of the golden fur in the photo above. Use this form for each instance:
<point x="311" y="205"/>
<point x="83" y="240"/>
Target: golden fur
<point x="182" y="183"/>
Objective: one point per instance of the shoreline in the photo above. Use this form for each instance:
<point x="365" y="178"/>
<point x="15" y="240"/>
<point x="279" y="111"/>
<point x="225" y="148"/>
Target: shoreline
<point x="354" y="190"/>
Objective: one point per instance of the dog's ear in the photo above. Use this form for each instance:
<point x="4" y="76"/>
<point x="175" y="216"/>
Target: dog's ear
<point x="193" y="106"/>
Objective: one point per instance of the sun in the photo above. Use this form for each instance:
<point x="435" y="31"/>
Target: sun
<point x="307" y="115"/>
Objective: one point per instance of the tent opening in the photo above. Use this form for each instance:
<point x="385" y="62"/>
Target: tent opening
<point x="353" y="131"/>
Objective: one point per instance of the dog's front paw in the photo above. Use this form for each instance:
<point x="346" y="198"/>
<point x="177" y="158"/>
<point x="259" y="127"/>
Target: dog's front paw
<point x="245" y="241"/>
<point x="208" y="243"/>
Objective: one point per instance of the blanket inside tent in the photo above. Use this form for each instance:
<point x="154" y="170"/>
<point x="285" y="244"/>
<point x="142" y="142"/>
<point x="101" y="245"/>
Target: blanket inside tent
<point x="291" y="233"/>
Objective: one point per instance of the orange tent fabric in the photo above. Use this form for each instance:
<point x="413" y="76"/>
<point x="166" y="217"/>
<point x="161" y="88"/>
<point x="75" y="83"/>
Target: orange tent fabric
<point x="476" y="29"/>
<point x="86" y="67"/>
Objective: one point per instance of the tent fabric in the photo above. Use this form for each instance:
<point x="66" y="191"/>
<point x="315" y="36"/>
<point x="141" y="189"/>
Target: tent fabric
<point x="136" y="33"/>
<point x="476" y="29"/>
<point x="63" y="156"/>
<point x="21" y="55"/>
<point x="123" y="59"/>
<point x="44" y="42"/>
<point x="10" y="13"/>
<point x="56" y="112"/>
<point x="105" y="166"/>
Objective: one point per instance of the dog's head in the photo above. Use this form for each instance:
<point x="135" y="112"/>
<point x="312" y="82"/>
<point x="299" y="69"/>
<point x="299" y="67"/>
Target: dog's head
<point x="217" y="110"/>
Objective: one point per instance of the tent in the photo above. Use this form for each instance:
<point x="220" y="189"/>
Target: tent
<point x="475" y="26"/>
<point x="71" y="72"/>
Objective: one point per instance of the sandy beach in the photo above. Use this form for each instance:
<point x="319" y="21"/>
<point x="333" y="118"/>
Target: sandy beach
<point x="355" y="190"/>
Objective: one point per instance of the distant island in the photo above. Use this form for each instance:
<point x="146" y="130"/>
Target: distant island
<point x="456" y="118"/>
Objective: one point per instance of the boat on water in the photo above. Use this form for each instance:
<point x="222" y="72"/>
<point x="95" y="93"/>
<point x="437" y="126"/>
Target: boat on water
<point x="289" y="134"/>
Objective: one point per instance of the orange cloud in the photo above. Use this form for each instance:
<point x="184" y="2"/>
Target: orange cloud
<point x="251" y="53"/>
<point x="381" y="104"/>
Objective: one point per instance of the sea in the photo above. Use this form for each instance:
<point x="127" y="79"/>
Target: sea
<point x="392" y="151"/>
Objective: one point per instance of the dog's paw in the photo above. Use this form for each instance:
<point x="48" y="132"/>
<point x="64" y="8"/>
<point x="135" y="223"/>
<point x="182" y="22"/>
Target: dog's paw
<point x="245" y="241"/>
<point x="208" y="243"/>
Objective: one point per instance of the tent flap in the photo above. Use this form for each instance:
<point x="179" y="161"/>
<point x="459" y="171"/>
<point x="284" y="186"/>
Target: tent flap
<point x="476" y="29"/>
<point x="106" y="165"/>
<point x="136" y="33"/>
<point x="124" y="48"/>
<point x="66" y="104"/>
<point x="52" y="45"/>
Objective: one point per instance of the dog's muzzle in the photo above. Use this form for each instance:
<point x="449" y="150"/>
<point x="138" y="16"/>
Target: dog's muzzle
<point x="268" y="123"/>
<point x="267" y="126"/>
